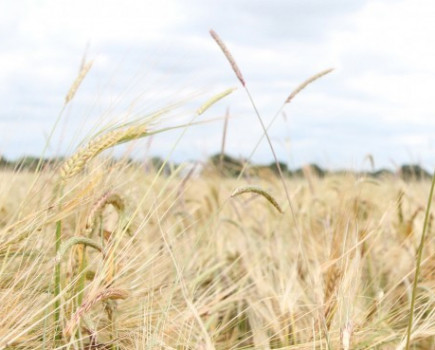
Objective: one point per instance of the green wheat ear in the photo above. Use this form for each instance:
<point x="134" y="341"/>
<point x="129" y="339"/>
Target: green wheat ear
<point x="257" y="190"/>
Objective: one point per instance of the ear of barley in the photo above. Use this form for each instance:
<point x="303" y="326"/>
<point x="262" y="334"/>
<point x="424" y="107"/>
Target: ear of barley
<point x="112" y="294"/>
<point x="76" y="163"/>
<point x="96" y="210"/>
<point x="306" y="83"/>
<point x="76" y="240"/>
<point x="213" y="100"/>
<point x="76" y="84"/>
<point x="332" y="279"/>
<point x="257" y="190"/>
<point x="229" y="57"/>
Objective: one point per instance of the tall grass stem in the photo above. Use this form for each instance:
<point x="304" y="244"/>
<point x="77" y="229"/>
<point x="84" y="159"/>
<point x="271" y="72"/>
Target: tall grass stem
<point x="418" y="265"/>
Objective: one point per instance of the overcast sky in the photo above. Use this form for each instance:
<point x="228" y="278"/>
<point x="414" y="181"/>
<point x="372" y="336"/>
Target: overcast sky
<point x="380" y="100"/>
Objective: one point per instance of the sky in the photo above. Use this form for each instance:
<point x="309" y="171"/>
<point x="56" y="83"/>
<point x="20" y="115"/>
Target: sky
<point x="149" y="55"/>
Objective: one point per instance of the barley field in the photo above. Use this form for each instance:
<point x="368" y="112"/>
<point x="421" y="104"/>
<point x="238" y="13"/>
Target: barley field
<point x="171" y="262"/>
<point x="97" y="253"/>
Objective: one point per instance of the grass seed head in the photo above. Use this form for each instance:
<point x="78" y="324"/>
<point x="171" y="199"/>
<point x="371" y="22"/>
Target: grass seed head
<point x="229" y="57"/>
<point x="306" y="83"/>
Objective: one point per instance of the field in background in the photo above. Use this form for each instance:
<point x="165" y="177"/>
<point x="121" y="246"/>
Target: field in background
<point x="178" y="263"/>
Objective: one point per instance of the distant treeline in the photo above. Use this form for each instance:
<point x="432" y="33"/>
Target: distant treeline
<point x="28" y="163"/>
<point x="229" y="166"/>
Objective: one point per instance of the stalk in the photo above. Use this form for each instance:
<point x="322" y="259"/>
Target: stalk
<point x="418" y="264"/>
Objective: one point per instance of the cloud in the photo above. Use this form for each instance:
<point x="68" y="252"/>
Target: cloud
<point x="151" y="54"/>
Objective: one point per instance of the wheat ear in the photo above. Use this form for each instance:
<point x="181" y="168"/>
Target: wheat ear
<point x="77" y="162"/>
<point x="85" y="67"/>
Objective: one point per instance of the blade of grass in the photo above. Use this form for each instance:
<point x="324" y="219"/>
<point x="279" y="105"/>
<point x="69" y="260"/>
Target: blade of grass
<point x="418" y="264"/>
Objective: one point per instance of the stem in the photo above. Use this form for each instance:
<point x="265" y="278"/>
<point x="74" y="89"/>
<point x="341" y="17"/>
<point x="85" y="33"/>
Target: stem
<point x="57" y="283"/>
<point x="57" y="270"/>
<point x="82" y="274"/>
<point x="265" y="130"/>
<point x="281" y="175"/>
<point x="50" y="136"/>
<point x="418" y="263"/>
<point x="224" y="136"/>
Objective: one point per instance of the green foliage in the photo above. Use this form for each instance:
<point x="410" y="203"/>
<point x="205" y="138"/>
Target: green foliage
<point x="226" y="164"/>
<point x="413" y="172"/>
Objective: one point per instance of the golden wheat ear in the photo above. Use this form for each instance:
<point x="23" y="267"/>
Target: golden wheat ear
<point x="77" y="162"/>
<point x="84" y="70"/>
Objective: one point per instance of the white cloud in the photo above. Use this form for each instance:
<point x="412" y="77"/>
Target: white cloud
<point x="150" y="53"/>
<point x="390" y="44"/>
<point x="103" y="20"/>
